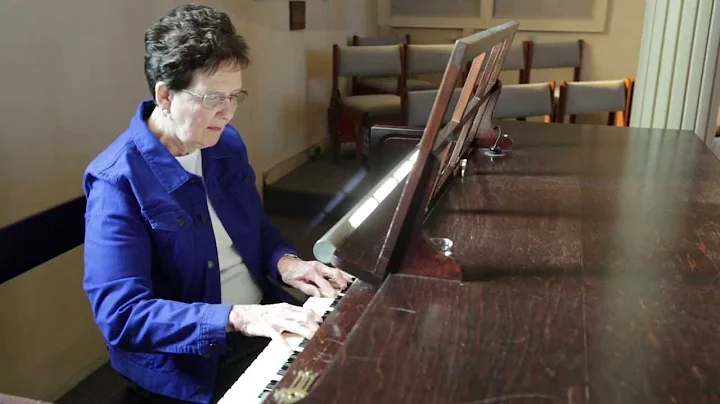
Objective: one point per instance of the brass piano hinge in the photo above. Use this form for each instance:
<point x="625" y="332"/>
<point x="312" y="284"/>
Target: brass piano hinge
<point x="299" y="388"/>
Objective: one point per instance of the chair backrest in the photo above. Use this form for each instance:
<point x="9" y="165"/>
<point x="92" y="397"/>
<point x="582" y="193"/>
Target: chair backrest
<point x="526" y="100"/>
<point x="367" y="61"/>
<point x="515" y="59"/>
<point x="420" y="103"/>
<point x="427" y="59"/>
<point x="379" y="40"/>
<point x="555" y="55"/>
<point x="592" y="97"/>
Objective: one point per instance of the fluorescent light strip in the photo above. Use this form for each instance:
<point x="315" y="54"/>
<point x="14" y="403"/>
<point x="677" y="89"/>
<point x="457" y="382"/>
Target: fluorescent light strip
<point x="381" y="193"/>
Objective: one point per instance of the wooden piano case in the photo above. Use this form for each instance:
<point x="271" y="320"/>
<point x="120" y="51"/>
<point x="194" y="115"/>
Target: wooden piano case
<point x="585" y="268"/>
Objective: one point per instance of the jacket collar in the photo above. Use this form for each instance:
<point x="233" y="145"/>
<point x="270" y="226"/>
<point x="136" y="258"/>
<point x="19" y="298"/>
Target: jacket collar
<point x="163" y="164"/>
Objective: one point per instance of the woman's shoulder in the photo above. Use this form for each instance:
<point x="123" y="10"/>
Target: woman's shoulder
<point x="116" y="160"/>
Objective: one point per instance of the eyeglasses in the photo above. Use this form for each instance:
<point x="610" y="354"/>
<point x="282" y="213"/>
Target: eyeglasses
<point x="212" y="101"/>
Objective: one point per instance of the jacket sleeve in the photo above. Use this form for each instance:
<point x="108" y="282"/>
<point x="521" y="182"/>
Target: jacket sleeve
<point x="119" y="285"/>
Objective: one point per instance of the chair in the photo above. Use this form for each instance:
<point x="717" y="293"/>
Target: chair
<point x="517" y="59"/>
<point x="379" y="40"/>
<point x="425" y="59"/>
<point x="520" y="101"/>
<point x="417" y="111"/>
<point x="375" y="85"/>
<point x="590" y="97"/>
<point x="417" y="59"/>
<point x="554" y="56"/>
<point x="362" y="110"/>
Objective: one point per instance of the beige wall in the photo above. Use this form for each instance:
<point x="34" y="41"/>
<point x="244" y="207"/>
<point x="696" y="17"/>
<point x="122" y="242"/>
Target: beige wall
<point x="71" y="76"/>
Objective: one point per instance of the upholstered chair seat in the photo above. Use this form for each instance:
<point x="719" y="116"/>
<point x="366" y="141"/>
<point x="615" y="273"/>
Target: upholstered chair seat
<point x="373" y="104"/>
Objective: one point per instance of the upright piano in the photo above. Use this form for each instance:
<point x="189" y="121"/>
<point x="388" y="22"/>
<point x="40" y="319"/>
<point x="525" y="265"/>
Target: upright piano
<point x="552" y="263"/>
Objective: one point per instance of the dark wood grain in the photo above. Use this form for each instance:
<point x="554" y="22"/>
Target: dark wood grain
<point x="590" y="258"/>
<point x="360" y="252"/>
<point x="332" y="334"/>
<point x="423" y="259"/>
<point x="652" y="341"/>
<point x="426" y="340"/>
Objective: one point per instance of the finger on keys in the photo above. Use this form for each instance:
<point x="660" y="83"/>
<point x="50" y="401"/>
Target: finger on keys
<point x="280" y="340"/>
<point x="302" y="315"/>
<point x="326" y="290"/>
<point x="308" y="289"/>
<point x="334" y="275"/>
<point x="301" y="329"/>
<point x="346" y="276"/>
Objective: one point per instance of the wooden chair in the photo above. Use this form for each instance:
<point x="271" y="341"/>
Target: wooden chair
<point x="363" y="110"/>
<point x="520" y="101"/>
<point x="517" y="59"/>
<point x="379" y="40"/>
<point x="418" y="105"/>
<point x="554" y="56"/>
<point x="376" y="85"/>
<point x="590" y="97"/>
<point x="425" y="59"/>
<point x="417" y="59"/>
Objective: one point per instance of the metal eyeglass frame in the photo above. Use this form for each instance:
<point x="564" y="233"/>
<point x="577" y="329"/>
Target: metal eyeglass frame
<point x="204" y="99"/>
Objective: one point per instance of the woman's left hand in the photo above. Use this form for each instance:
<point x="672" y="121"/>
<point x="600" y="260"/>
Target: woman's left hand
<point x="312" y="277"/>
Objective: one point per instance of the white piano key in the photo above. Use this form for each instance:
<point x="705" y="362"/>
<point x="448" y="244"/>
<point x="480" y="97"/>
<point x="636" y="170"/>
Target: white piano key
<point x="266" y="368"/>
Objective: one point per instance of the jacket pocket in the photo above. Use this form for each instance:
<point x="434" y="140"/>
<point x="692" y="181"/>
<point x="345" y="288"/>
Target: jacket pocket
<point x="169" y="220"/>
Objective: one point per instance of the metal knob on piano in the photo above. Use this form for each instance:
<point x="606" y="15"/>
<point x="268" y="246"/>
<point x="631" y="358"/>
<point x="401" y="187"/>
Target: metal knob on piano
<point x="443" y="245"/>
<point x="495" y="150"/>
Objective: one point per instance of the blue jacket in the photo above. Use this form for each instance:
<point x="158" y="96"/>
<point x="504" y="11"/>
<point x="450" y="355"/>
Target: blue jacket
<point x="151" y="270"/>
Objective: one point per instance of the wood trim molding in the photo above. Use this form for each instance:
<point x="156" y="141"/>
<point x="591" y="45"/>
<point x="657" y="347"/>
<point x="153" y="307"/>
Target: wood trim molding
<point x="486" y="20"/>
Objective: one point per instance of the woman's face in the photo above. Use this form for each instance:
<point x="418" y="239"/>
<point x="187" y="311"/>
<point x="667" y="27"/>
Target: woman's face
<point x="198" y="114"/>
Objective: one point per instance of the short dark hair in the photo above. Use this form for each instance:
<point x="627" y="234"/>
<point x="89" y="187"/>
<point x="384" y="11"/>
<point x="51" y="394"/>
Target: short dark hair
<point x="190" y="38"/>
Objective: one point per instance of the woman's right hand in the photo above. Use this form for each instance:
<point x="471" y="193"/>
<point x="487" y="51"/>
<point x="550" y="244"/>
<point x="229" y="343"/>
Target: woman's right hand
<point x="271" y="320"/>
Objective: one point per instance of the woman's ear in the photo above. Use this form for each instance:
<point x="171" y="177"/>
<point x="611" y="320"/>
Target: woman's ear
<point x="163" y="97"/>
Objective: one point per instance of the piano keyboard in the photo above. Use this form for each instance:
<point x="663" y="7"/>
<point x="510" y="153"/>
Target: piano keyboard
<point x="268" y="368"/>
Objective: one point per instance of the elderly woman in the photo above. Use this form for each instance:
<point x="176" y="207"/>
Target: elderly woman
<point x="183" y="271"/>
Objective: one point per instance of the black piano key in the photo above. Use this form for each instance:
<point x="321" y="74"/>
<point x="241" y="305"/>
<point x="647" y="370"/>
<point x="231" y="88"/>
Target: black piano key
<point x="271" y="385"/>
<point x="306" y="341"/>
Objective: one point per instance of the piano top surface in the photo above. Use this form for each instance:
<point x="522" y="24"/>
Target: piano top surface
<point x="589" y="257"/>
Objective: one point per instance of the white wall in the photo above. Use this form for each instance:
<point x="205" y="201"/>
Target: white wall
<point x="71" y="76"/>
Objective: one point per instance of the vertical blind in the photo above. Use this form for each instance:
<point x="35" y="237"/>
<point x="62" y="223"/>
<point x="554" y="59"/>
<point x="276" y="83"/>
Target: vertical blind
<point x="677" y="65"/>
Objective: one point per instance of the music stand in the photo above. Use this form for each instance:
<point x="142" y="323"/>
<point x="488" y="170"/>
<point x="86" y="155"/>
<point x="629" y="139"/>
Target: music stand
<point x="440" y="149"/>
<point x="399" y="202"/>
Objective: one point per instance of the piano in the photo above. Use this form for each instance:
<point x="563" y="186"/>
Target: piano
<point x="553" y="263"/>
